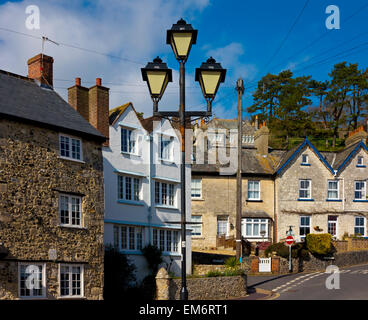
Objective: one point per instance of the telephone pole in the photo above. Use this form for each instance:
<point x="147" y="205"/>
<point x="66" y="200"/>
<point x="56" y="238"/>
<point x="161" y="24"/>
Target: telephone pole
<point x="240" y="89"/>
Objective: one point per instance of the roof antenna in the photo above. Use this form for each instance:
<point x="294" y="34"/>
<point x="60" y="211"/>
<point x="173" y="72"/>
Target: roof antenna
<point x="44" y="39"/>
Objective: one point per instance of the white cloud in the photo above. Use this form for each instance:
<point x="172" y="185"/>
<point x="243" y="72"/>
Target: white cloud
<point x="131" y="29"/>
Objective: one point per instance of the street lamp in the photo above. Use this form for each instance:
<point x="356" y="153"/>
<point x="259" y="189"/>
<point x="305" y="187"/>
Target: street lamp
<point x="157" y="75"/>
<point x="210" y="75"/>
<point x="181" y="37"/>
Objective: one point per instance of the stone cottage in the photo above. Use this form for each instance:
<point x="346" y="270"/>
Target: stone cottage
<point x="51" y="192"/>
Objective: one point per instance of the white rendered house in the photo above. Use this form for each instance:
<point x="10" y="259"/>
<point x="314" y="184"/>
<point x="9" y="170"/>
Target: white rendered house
<point x="142" y="189"/>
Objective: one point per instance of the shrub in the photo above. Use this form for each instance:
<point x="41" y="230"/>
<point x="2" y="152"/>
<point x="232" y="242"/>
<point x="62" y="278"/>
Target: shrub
<point x="119" y="274"/>
<point x="153" y="256"/>
<point x="214" y="274"/>
<point x="319" y="244"/>
<point x="232" y="262"/>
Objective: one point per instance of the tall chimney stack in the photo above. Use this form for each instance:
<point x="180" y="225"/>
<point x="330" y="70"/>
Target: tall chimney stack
<point x="40" y="68"/>
<point x="78" y="98"/>
<point x="99" y="108"/>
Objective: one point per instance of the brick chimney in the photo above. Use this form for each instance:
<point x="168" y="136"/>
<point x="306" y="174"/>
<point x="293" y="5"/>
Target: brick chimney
<point x="78" y="98"/>
<point x="261" y="139"/>
<point x="40" y="67"/>
<point x="356" y="135"/>
<point x="99" y="108"/>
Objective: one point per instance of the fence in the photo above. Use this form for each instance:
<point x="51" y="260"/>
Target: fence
<point x="351" y="244"/>
<point x="226" y="242"/>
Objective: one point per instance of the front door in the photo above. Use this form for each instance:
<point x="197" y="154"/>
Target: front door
<point x="332" y="226"/>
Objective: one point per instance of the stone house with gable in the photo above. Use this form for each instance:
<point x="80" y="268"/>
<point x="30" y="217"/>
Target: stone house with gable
<point x="51" y="192"/>
<point x="323" y="192"/>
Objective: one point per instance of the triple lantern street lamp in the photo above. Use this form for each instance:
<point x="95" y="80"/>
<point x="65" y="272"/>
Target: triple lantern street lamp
<point x="181" y="37"/>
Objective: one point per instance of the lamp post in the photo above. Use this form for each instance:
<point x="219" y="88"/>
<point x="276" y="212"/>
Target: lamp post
<point x="181" y="37"/>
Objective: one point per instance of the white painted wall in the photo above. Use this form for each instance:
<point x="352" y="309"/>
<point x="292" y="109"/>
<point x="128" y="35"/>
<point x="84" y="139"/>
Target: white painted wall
<point x="145" y="163"/>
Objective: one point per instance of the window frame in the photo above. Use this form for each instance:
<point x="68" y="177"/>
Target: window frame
<point x="200" y="188"/>
<point x="362" y="162"/>
<point x="70" y="147"/>
<point x="43" y="283"/>
<point x="71" y="265"/>
<point x="302" y="237"/>
<point x="306" y="162"/>
<point x="333" y="190"/>
<point x="359" y="226"/>
<point x="131" y="140"/>
<point x="174" y="235"/>
<point x="169" y="147"/>
<point x="70" y="211"/>
<point x="335" y="222"/>
<point x="252" y="222"/>
<point x="170" y="194"/>
<point x="223" y="218"/>
<point x="254" y="191"/>
<point x="122" y="188"/>
<point x="198" y="225"/>
<point x="303" y="189"/>
<point x="363" y="191"/>
<point x="135" y="228"/>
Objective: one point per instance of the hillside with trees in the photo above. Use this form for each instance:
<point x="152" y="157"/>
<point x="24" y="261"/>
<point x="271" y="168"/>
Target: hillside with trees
<point x="325" y="111"/>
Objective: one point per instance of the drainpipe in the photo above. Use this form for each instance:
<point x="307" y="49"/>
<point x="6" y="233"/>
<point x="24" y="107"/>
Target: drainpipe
<point x="149" y="200"/>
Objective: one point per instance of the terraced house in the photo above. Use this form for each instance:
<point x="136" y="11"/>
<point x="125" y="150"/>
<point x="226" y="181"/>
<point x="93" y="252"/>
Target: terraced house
<point x="319" y="192"/>
<point x="142" y="189"/>
<point x="214" y="191"/>
<point x="311" y="191"/>
<point x="51" y="192"/>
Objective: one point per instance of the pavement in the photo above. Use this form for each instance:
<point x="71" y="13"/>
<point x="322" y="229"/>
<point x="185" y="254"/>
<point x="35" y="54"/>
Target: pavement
<point x="352" y="283"/>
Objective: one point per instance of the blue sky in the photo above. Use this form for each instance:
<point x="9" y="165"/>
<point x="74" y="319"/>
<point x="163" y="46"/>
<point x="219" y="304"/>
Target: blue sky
<point x="242" y="35"/>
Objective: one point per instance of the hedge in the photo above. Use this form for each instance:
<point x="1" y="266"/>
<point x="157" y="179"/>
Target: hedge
<point x="319" y="244"/>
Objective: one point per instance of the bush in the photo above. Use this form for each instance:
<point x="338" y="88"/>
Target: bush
<point x="119" y="274"/>
<point x="319" y="244"/>
<point x="232" y="263"/>
<point x="153" y="256"/>
<point x="214" y="274"/>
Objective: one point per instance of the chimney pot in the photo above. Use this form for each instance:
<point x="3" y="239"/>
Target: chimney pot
<point x="98" y="81"/>
<point x="77" y="81"/>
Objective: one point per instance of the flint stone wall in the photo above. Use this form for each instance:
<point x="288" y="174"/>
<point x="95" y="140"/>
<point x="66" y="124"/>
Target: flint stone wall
<point x="32" y="176"/>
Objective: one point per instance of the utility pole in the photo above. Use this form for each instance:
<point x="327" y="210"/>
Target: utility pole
<point x="240" y="89"/>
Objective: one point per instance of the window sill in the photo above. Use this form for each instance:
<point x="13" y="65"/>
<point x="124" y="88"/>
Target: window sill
<point x="129" y="154"/>
<point x="198" y="237"/>
<point x="361" y="166"/>
<point x="197" y="199"/>
<point x="172" y="254"/>
<point x="71" y="159"/>
<point x="334" y="200"/>
<point x="360" y="200"/>
<point x="133" y="252"/>
<point x="305" y="164"/>
<point x="72" y="298"/>
<point x="160" y="206"/>
<point x="305" y="199"/>
<point x="66" y="226"/>
<point x="254" y="200"/>
<point x="166" y="161"/>
<point x="134" y="203"/>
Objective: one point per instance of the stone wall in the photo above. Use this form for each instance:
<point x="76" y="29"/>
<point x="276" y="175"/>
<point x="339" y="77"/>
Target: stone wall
<point x="32" y="177"/>
<point x="311" y="264"/>
<point x="203" y="269"/>
<point x="211" y="288"/>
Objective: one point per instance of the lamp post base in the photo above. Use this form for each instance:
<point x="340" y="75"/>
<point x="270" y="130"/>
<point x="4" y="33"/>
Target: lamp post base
<point x="183" y="293"/>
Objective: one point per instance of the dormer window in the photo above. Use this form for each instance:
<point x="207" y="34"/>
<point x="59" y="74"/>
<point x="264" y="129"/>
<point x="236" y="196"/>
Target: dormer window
<point x="360" y="161"/>
<point x="166" y="147"/>
<point x="305" y="159"/>
<point x="128" y="141"/>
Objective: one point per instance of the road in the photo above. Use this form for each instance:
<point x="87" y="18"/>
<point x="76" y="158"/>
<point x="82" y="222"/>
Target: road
<point x="312" y="286"/>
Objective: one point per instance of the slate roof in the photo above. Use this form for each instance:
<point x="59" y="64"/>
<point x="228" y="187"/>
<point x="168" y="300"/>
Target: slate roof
<point x="23" y="99"/>
<point x="252" y="163"/>
<point x="115" y="113"/>
<point x="256" y="214"/>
